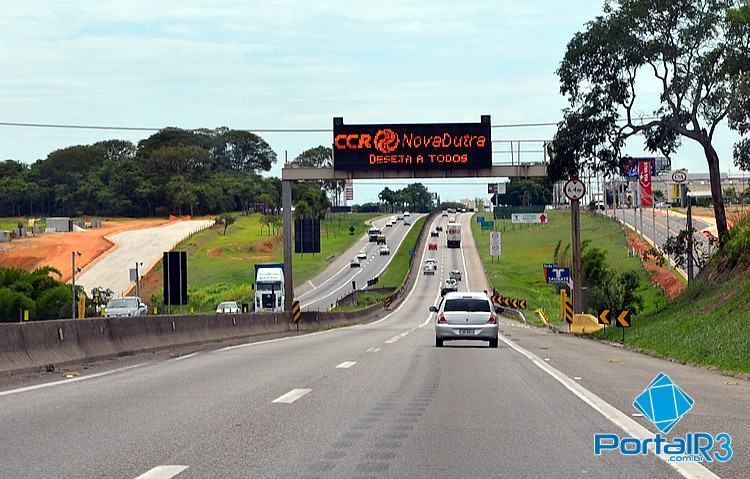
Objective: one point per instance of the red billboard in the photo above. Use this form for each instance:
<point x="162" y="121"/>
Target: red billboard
<point x="644" y="179"/>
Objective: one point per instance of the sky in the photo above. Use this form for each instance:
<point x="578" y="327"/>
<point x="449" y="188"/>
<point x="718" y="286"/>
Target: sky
<point x="289" y="64"/>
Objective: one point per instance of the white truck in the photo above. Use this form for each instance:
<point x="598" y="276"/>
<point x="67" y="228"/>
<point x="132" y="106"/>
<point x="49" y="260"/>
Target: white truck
<point x="269" y="287"/>
<point x="453" y="235"/>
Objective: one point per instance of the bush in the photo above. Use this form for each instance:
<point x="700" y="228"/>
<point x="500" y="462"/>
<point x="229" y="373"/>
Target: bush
<point x="736" y="248"/>
<point x="12" y="303"/>
<point x="54" y="303"/>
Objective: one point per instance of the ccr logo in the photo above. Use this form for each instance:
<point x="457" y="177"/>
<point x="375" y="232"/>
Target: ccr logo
<point x="386" y="141"/>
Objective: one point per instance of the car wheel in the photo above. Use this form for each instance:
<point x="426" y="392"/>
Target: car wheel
<point x="438" y="343"/>
<point x="494" y="343"/>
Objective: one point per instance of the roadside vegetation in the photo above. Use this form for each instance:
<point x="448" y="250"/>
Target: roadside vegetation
<point x="519" y="271"/>
<point x="40" y="292"/>
<point x="220" y="266"/>
<point x="707" y="324"/>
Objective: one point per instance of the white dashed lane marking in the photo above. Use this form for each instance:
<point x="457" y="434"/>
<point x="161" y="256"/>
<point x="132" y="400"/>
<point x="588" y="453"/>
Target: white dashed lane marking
<point x="162" y="472"/>
<point x="291" y="396"/>
<point x="346" y="364"/>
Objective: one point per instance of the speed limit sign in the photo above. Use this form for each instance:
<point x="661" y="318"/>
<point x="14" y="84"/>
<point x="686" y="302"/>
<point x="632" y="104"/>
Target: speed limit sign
<point x="495" y="243"/>
<point x="679" y="177"/>
<point x="574" y="189"/>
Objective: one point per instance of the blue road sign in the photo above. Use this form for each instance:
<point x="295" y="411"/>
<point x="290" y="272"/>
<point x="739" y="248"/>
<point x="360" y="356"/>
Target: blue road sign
<point x="556" y="275"/>
<point x="480" y="219"/>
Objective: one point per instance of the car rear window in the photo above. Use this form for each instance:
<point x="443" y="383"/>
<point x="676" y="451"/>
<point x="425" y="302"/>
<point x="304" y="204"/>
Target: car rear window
<point x="467" y="304"/>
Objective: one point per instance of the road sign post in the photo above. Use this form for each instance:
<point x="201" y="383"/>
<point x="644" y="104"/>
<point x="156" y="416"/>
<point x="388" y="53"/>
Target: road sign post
<point x="495" y="244"/>
<point x="575" y="190"/>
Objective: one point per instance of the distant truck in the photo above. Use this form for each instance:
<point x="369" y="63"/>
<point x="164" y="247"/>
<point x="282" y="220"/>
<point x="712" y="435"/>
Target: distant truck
<point x="453" y="235"/>
<point x="372" y="234"/>
<point x="269" y="287"/>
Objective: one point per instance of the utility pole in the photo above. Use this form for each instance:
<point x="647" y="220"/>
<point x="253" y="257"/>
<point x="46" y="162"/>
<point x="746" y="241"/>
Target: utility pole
<point x="74" y="270"/>
<point x="138" y="279"/>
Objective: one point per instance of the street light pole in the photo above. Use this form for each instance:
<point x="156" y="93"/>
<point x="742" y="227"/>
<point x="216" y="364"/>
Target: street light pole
<point x="138" y="279"/>
<point x="73" y="255"/>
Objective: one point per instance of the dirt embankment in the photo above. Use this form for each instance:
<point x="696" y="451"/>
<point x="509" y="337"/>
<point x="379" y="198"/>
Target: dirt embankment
<point x="661" y="276"/>
<point x="54" y="249"/>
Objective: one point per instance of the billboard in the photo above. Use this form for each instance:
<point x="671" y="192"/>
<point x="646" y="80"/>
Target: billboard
<point x="174" y="267"/>
<point x="645" y="182"/>
<point x="418" y="146"/>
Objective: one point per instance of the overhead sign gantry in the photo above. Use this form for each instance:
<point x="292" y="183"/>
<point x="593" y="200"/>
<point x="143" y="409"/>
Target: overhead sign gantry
<point x="400" y="150"/>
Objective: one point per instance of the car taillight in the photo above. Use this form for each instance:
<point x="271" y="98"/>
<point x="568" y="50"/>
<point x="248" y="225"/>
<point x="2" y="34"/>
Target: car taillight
<point x="492" y="320"/>
<point x="441" y="319"/>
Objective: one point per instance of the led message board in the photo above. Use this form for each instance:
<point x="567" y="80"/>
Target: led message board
<point x="412" y="146"/>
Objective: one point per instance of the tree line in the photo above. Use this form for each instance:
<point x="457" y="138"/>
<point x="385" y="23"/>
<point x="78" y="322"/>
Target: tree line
<point x="173" y="171"/>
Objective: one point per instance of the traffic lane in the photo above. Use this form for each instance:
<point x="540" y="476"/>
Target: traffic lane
<point x="618" y="375"/>
<point x="121" y="415"/>
<point x="123" y="424"/>
<point x="337" y="266"/>
<point x="326" y="294"/>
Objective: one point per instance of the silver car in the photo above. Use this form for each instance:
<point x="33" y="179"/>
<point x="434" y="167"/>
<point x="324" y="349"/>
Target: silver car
<point x="466" y="316"/>
<point x="124" y="307"/>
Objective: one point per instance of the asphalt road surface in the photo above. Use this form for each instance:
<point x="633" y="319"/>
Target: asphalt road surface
<point x="145" y="245"/>
<point x="377" y="400"/>
<point x="336" y="281"/>
<point x="655" y="225"/>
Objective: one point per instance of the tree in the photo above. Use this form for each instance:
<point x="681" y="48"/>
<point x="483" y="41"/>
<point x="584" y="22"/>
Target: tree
<point x="320" y="157"/>
<point x="244" y="151"/>
<point x="694" y="50"/>
<point x="387" y="196"/>
<point x="677" y="247"/>
<point x="225" y="220"/>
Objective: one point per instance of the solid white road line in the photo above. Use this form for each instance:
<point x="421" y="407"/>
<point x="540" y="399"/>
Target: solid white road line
<point x="291" y="396"/>
<point x="346" y="364"/>
<point x="180" y="358"/>
<point x="66" y="381"/>
<point x="691" y="470"/>
<point x="162" y="472"/>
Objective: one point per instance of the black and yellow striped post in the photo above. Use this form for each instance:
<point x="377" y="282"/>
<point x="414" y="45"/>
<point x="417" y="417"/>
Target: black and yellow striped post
<point x="568" y="308"/>
<point x="296" y="313"/>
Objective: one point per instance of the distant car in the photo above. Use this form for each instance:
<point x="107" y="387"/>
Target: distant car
<point x="455" y="274"/>
<point x="434" y="234"/>
<point x="662" y="204"/>
<point x="452" y="219"/>
<point x="354" y="263"/>
<point x="430" y="266"/>
<point x="388" y="224"/>
<point x="362" y="254"/>
<point x="444" y="213"/>
<point x="228" y="307"/>
<point x="449" y="286"/>
<point x="400" y="217"/>
<point x="406" y="214"/>
<point x="384" y="250"/>
<point x="407" y="221"/>
<point x="463" y="210"/>
<point x="438" y="228"/>
<point x="466" y="316"/>
<point x="381" y="239"/>
<point x="394" y="219"/>
<point x="432" y="246"/>
<point x="124" y="307"/>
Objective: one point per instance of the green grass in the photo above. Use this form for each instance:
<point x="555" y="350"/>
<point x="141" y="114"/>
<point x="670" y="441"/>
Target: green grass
<point x="10" y="223"/>
<point x="364" y="299"/>
<point x="220" y="268"/>
<point x="397" y="269"/>
<point x="335" y="240"/>
<point x="706" y="325"/>
<point x="519" y="273"/>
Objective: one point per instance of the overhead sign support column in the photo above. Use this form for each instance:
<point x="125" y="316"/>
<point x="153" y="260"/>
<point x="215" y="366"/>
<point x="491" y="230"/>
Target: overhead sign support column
<point x="286" y="205"/>
<point x="575" y="190"/>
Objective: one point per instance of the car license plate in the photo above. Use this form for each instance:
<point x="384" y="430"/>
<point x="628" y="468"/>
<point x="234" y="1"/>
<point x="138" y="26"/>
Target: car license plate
<point x="466" y="332"/>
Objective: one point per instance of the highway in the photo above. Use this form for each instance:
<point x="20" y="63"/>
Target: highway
<point x="375" y="400"/>
<point x="322" y="292"/>
<point x="659" y="235"/>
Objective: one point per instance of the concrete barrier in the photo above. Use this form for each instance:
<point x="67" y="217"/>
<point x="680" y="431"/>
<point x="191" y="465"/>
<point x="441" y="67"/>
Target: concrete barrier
<point x="35" y="345"/>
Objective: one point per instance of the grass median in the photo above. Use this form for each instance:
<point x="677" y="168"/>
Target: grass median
<point x="519" y="273"/>
<point x="394" y="275"/>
